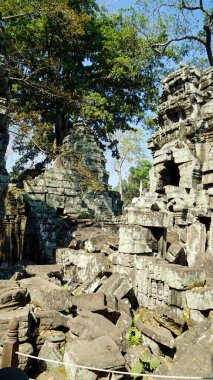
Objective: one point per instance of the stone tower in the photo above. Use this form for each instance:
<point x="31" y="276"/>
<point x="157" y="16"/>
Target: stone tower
<point x="166" y="240"/>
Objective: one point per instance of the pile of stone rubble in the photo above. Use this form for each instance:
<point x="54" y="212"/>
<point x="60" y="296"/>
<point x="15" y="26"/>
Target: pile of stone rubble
<point x="80" y="311"/>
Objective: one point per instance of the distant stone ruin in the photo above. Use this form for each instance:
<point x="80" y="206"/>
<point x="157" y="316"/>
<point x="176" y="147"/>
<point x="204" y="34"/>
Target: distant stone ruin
<point x="41" y="217"/>
<point x="77" y="185"/>
<point x="166" y="240"/>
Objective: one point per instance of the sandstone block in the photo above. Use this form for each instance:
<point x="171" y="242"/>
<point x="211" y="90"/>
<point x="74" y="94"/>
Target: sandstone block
<point x="100" y="353"/>
<point x="90" y="326"/>
<point x="90" y="302"/>
<point x="117" y="285"/>
<point x="46" y="294"/>
<point x="159" y="335"/>
<point x="200" y="299"/>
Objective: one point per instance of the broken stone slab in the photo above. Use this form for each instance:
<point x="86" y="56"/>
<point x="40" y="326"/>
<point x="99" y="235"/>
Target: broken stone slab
<point x="199" y="299"/>
<point x="194" y="352"/>
<point x="55" y="270"/>
<point x="159" y="335"/>
<point x="100" y="353"/>
<point x="178" y="298"/>
<point x="195" y="245"/>
<point x="174" y="252"/>
<point x="90" y="326"/>
<point x="52" y="349"/>
<point x="46" y="294"/>
<point x="50" y="319"/>
<point x="90" y="302"/>
<point x="132" y="354"/>
<point x="12" y="295"/>
<point x="117" y="285"/>
<point x="88" y="264"/>
<point x="169" y="318"/>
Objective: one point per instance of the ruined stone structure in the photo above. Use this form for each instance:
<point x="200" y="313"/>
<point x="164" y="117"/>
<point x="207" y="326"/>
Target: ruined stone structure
<point x="77" y="185"/>
<point x="166" y="240"/>
<point x="42" y="217"/>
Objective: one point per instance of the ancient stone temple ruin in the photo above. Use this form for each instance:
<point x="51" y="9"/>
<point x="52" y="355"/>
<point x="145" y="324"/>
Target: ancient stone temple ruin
<point x="166" y="240"/>
<point x="77" y="185"/>
<point x="41" y="217"/>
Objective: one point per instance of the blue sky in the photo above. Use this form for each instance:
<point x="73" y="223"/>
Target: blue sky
<point x="115" y="4"/>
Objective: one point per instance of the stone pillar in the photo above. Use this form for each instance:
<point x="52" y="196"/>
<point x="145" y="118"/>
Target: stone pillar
<point x="11" y="345"/>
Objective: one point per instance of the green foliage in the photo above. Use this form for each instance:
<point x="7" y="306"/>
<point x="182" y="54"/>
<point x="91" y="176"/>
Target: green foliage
<point x="134" y="336"/>
<point x="66" y="287"/>
<point x="145" y="364"/>
<point x="137" y="175"/>
<point x="71" y="60"/>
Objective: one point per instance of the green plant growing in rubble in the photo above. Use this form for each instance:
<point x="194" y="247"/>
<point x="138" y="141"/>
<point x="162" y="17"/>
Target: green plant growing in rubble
<point x="145" y="363"/>
<point x="134" y="336"/>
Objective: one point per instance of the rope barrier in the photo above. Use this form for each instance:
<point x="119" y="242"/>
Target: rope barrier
<point x="115" y="372"/>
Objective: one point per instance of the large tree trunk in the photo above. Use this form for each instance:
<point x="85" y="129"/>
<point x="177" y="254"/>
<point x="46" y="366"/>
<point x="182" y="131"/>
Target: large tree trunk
<point x="61" y="127"/>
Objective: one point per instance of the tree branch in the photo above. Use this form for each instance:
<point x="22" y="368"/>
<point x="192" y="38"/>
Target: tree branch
<point x="195" y="8"/>
<point x="32" y="140"/>
<point x="176" y="39"/>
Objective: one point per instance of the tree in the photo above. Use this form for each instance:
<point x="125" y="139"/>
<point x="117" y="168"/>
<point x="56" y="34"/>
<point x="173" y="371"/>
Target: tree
<point x="138" y="175"/>
<point x="130" y="149"/>
<point x="189" y="21"/>
<point x="71" y="60"/>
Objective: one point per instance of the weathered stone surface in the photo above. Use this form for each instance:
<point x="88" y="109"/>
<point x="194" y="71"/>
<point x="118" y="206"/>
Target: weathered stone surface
<point x="45" y="270"/>
<point x="100" y="353"/>
<point x="117" y="285"/>
<point x="90" y="302"/>
<point x="90" y="326"/>
<point x="88" y="265"/>
<point x="199" y="299"/>
<point x="25" y="323"/>
<point x="51" y="349"/>
<point x="46" y="294"/>
<point x="159" y="335"/>
<point x="196" y="237"/>
<point x="12" y="295"/>
<point x="194" y="352"/>
<point x="169" y="318"/>
<point x="50" y="319"/>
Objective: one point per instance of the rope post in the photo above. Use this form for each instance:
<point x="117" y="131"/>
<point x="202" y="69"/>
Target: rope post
<point x="10" y="346"/>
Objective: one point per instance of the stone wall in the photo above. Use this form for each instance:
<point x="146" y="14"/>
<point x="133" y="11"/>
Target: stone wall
<point x="166" y="239"/>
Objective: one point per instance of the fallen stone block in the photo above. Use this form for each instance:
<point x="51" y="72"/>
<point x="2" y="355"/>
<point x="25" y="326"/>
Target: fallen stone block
<point x="117" y="285"/>
<point x="90" y="302"/>
<point x="159" y="335"/>
<point x="45" y="270"/>
<point x="50" y="319"/>
<point x="52" y="349"/>
<point x="100" y="353"/>
<point x="174" y="253"/>
<point x="46" y="294"/>
<point x="90" y="326"/>
<point x="88" y="264"/>
<point x="12" y="295"/>
<point x="168" y="317"/>
<point x="194" y="352"/>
